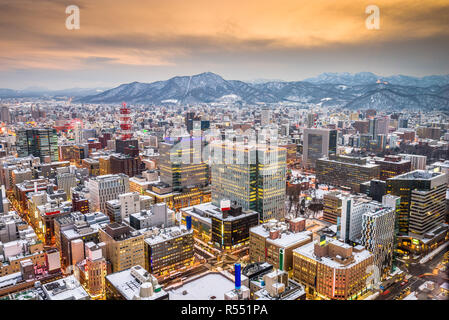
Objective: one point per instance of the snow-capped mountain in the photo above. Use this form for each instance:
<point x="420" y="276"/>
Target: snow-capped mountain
<point x="357" y="91"/>
<point x="360" y="91"/>
<point x="370" y="78"/>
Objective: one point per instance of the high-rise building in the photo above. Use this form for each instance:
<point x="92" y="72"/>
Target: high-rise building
<point x="352" y="210"/>
<point x="378" y="236"/>
<point x="265" y="116"/>
<point x="379" y="126"/>
<point x="181" y="163"/>
<point x="332" y="207"/>
<point x="423" y="195"/>
<point x="126" y="164"/>
<point x="5" y="114"/>
<point x="105" y="188"/>
<point x="251" y="175"/>
<point x="40" y="142"/>
<point x="345" y="171"/>
<point x="392" y="166"/>
<point x="318" y="143"/>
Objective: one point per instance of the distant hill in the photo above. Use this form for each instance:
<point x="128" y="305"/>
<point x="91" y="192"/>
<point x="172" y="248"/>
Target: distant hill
<point x="356" y="91"/>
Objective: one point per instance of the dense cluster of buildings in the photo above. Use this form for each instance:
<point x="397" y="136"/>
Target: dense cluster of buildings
<point x="216" y="202"/>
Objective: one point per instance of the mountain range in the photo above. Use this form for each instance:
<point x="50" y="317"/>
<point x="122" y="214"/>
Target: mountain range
<point x="36" y="92"/>
<point x="355" y="91"/>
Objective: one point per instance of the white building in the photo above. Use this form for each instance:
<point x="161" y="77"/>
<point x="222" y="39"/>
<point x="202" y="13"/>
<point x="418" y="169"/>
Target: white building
<point x="66" y="181"/>
<point x="105" y="188"/>
<point x="352" y="210"/>
<point x="418" y="162"/>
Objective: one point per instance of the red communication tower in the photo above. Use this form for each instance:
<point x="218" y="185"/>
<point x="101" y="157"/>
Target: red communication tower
<point x="125" y="122"/>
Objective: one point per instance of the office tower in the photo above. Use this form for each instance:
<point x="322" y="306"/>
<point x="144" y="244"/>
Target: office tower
<point x="332" y="207"/>
<point x="105" y="165"/>
<point x="169" y="249"/>
<point x="126" y="146"/>
<point x="381" y="140"/>
<point x="429" y="133"/>
<point x="352" y="210"/>
<point x="105" y="188"/>
<point x="312" y="119"/>
<point x="331" y="269"/>
<point x="79" y="152"/>
<point x="378" y="126"/>
<point x="188" y="120"/>
<point x="362" y="126"/>
<point x="265" y="116"/>
<point x="2" y="207"/>
<point x="378" y="236"/>
<point x="274" y="242"/>
<point x="318" y="143"/>
<point x="5" y="114"/>
<point x="126" y="164"/>
<point x="375" y="189"/>
<point x="423" y="195"/>
<point x="66" y="181"/>
<point x="392" y="166"/>
<point x="251" y="175"/>
<point x="345" y="171"/>
<point x="77" y="132"/>
<point x="124" y="246"/>
<point x="382" y="126"/>
<point x="181" y="163"/>
<point x="42" y="142"/>
<point x="372" y="128"/>
<point x="230" y="226"/>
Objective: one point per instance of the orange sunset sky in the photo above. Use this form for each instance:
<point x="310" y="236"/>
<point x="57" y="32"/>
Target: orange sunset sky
<point x="136" y="40"/>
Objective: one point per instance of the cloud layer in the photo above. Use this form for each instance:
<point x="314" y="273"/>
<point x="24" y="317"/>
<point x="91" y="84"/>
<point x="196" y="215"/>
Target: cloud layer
<point x="289" y="39"/>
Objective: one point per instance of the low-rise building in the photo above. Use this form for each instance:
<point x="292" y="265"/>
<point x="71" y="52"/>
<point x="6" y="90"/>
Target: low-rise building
<point x="274" y="242"/>
<point x="331" y="269"/>
<point x="134" y="283"/>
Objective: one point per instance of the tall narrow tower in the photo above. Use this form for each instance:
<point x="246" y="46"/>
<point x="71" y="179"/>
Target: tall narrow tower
<point x="125" y="122"/>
